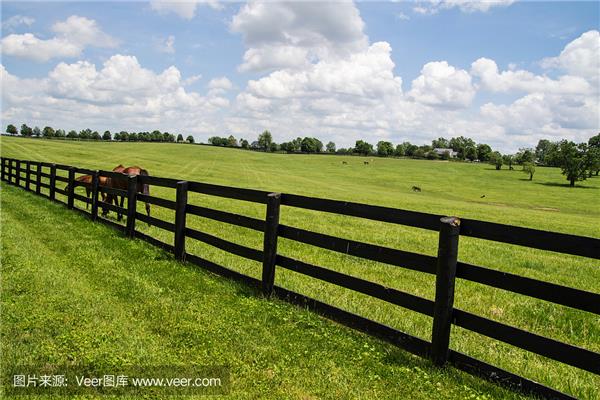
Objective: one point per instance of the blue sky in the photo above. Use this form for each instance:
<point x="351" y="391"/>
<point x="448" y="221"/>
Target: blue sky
<point x="311" y="69"/>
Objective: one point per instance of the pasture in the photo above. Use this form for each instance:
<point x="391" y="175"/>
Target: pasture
<point x="465" y="190"/>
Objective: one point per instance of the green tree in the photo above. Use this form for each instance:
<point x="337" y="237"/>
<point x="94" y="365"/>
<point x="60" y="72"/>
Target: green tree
<point x="508" y="160"/>
<point x="529" y="168"/>
<point x="400" y="150"/>
<point x="572" y="161"/>
<point x="72" y="134"/>
<point x="311" y="145"/>
<point x="106" y="135"/>
<point x="264" y="140"/>
<point x="190" y="139"/>
<point x="60" y="133"/>
<point x="330" y="147"/>
<point x="483" y="152"/>
<point x="231" y="141"/>
<point x="245" y="144"/>
<point x="471" y="153"/>
<point x="37" y="132"/>
<point x="48" y="132"/>
<point x="525" y="156"/>
<point x="440" y="143"/>
<point x="496" y="159"/>
<point x="11" y="129"/>
<point x="460" y="145"/>
<point x="96" y="135"/>
<point x="362" y="147"/>
<point x="179" y="138"/>
<point x="26" y="131"/>
<point x="274" y="147"/>
<point x="594" y="155"/>
<point x="385" y="148"/>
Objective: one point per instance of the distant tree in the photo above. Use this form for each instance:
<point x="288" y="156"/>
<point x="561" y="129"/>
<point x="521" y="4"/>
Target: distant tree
<point x="60" y="133"/>
<point x="264" y="140"/>
<point x="471" y="153"/>
<point x="48" y="132"/>
<point x="123" y="136"/>
<point x="343" y="151"/>
<point x="542" y="150"/>
<point x="26" y="131"/>
<point x="297" y="144"/>
<point x="483" y="152"/>
<point x="362" y="147"/>
<point x="190" y="139"/>
<point x="524" y="156"/>
<point x="96" y="135"/>
<point x="106" y="135"/>
<point x="11" y="129"/>
<point x="593" y="155"/>
<point x="411" y="149"/>
<point x="330" y="147"/>
<point x="385" y="148"/>
<point x="37" y="132"/>
<point x="432" y="155"/>
<point x="400" y="150"/>
<point x="179" y="138"/>
<point x="572" y="161"/>
<point x="245" y="144"/>
<point x="87" y="134"/>
<point x="133" y="137"/>
<point x="274" y="147"/>
<point x="445" y="155"/>
<point x="311" y="145"/>
<point x="460" y="145"/>
<point x="421" y="152"/>
<point x="508" y="160"/>
<point x="231" y="141"/>
<point x="72" y="134"/>
<point x="529" y="168"/>
<point x="496" y="160"/>
<point x="440" y="143"/>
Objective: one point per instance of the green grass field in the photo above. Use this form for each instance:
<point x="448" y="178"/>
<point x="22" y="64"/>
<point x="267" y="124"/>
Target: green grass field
<point x="447" y="188"/>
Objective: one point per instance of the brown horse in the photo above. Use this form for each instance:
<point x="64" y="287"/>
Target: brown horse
<point x="86" y="181"/>
<point x="121" y="183"/>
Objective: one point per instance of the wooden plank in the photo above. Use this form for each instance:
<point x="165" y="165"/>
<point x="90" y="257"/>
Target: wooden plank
<point x="559" y="351"/>
<point x="566" y="296"/>
<point x="225" y="245"/>
<point x="270" y="242"/>
<point x="393" y="296"/>
<point x="111" y="207"/>
<point x="156" y="181"/>
<point x="227" y="217"/>
<point x="81" y="198"/>
<point x="400" y="258"/>
<point x="256" y="196"/>
<point x="61" y="179"/>
<point x="113" y="191"/>
<point x="377" y="213"/>
<point x="220" y="270"/>
<point x="84" y="171"/>
<point x="181" y="203"/>
<point x="153" y="241"/>
<point x="156" y="201"/>
<point x="504" y="378"/>
<point x="155" y="222"/>
<point x="534" y="238"/>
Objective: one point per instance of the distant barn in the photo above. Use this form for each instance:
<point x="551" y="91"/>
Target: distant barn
<point x="440" y="152"/>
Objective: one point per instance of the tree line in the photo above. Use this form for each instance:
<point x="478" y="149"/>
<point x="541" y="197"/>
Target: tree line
<point x="88" y="134"/>
<point x="577" y="161"/>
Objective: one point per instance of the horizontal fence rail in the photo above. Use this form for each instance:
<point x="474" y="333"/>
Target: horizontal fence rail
<point x="38" y="176"/>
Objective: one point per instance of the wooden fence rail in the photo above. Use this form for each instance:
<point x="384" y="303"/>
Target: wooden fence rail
<point x="446" y="267"/>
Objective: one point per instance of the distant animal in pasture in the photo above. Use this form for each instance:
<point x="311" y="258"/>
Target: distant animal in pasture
<point x="121" y="184"/>
<point x="344" y="162"/>
<point x="416" y="189"/>
<point x="482" y="196"/>
<point x="366" y="162"/>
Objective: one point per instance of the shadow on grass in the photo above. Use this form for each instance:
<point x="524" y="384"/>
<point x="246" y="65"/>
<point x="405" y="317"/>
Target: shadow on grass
<point x="565" y="185"/>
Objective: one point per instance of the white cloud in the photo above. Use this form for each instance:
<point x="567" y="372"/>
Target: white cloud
<point x="468" y="6"/>
<point x="185" y="9"/>
<point x="17" y="20"/>
<point x="581" y="57"/>
<point x="72" y="36"/>
<point x="402" y="17"/>
<point x="443" y="85"/>
<point x="294" y="34"/>
<point x="220" y="83"/>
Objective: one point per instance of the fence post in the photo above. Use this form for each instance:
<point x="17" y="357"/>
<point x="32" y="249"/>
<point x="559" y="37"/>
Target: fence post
<point x="18" y="177"/>
<point x="131" y="205"/>
<point x="27" y="175"/>
<point x="71" y="193"/>
<point x="95" y="183"/>
<point x="180" y="214"/>
<point x="270" y="242"/>
<point x="444" y="289"/>
<point x="52" y="182"/>
<point x="38" y="178"/>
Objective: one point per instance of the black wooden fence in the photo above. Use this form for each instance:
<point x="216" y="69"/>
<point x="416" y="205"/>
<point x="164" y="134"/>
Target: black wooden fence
<point x="35" y="176"/>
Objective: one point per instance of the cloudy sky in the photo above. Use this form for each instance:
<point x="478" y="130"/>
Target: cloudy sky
<point x="506" y="73"/>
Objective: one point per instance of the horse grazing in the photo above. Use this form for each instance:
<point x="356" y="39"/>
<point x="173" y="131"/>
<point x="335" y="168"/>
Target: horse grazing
<point x="366" y="162"/>
<point x="416" y="189"/>
<point x="121" y="183"/>
<point x="86" y="181"/>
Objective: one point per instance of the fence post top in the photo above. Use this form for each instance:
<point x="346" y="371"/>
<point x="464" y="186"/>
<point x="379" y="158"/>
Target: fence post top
<point x="275" y="195"/>
<point x="452" y="221"/>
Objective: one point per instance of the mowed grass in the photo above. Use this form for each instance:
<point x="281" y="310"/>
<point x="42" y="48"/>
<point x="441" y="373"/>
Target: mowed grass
<point x="78" y="293"/>
<point x="465" y="190"/>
